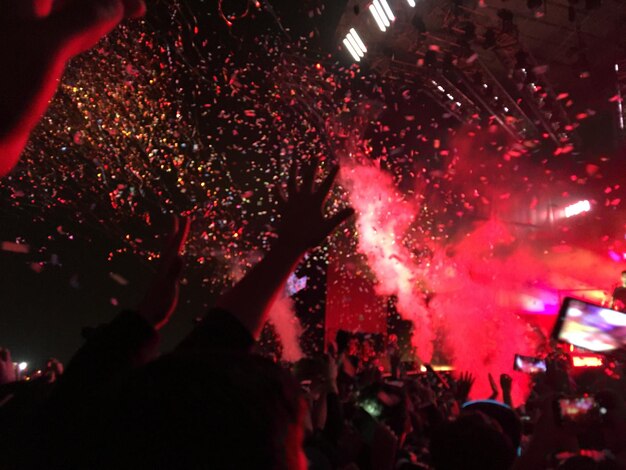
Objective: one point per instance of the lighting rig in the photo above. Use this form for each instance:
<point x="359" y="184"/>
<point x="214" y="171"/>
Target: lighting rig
<point x="447" y="62"/>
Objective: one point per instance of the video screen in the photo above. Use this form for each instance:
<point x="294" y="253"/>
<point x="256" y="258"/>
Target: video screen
<point x="591" y="327"/>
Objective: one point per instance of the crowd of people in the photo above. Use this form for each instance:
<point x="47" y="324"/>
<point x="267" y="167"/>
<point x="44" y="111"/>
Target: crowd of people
<point x="212" y="402"/>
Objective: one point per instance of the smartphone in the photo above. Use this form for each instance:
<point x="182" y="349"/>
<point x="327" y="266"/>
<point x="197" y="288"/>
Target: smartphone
<point x="582" y="409"/>
<point x="590" y="326"/>
<point x="529" y="364"/>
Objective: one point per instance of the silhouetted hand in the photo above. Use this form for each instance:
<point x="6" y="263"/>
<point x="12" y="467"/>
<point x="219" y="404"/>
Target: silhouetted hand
<point x="494" y="388"/>
<point x="8" y="373"/>
<point x="464" y="386"/>
<point x="162" y="296"/>
<point x="303" y="224"/>
<point x="38" y="37"/>
<point x="506" y="383"/>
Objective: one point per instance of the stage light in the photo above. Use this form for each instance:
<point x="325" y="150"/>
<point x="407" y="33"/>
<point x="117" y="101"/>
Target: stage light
<point x="577" y="208"/>
<point x="22" y="366"/>
<point x="387" y="9"/>
<point x="377" y="18"/>
<point x="355" y="45"/>
<point x="411" y="3"/>
<point x="358" y="40"/>
<point x="381" y="13"/>
<point x="351" y="50"/>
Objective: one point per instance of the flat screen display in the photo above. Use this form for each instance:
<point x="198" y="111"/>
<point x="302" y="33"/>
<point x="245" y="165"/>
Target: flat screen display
<point x="590" y="326"/>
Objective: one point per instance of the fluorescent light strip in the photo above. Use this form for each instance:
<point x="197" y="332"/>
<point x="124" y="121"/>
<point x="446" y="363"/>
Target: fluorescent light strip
<point x="377" y="17"/>
<point x="358" y="40"/>
<point x="381" y="13"/>
<point x="355" y="45"/>
<point x="351" y="50"/>
<point x="390" y="14"/>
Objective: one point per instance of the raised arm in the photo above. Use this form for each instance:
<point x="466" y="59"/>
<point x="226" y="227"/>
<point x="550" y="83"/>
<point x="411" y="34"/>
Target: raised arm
<point x="37" y="38"/>
<point x="131" y="339"/>
<point x="303" y="225"/>
<point x="242" y="311"/>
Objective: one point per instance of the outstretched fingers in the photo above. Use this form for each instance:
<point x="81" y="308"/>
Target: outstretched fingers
<point x="292" y="182"/>
<point x="327" y="184"/>
<point x="181" y="233"/>
<point x="176" y="239"/>
<point x="308" y="176"/>
<point x="333" y="222"/>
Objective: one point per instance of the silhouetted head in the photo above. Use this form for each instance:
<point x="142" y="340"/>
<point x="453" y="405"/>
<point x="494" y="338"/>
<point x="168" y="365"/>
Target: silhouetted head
<point x="473" y="441"/>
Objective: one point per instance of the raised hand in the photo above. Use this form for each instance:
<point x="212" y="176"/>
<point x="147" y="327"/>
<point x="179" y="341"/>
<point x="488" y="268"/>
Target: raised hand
<point x="494" y="388"/>
<point x="506" y="383"/>
<point x="162" y="296"/>
<point x="38" y="37"/>
<point x="464" y="386"/>
<point x="8" y="374"/>
<point x="303" y="224"/>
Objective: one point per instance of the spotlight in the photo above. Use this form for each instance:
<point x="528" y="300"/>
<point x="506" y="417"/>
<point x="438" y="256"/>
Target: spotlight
<point x="354" y="44"/>
<point x="382" y="13"/>
<point x="376" y="14"/>
<point x="350" y="48"/>
<point x="411" y="3"/>
<point x="387" y="10"/>
<point x="578" y="208"/>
